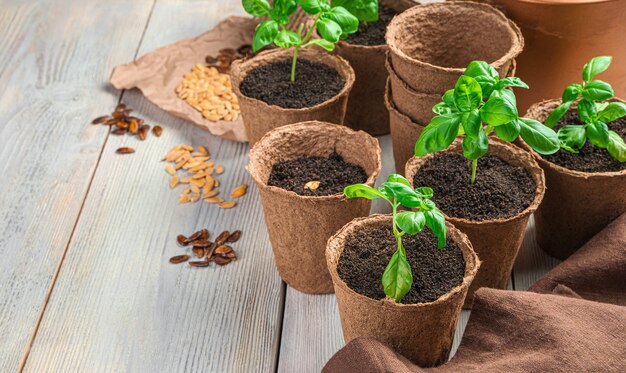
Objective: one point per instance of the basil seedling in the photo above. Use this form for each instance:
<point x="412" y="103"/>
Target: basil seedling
<point x="593" y="110"/>
<point x="398" y="278"/>
<point x="334" y="21"/>
<point x="478" y="105"/>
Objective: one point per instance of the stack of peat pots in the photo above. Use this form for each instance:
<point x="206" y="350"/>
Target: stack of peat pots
<point x="429" y="47"/>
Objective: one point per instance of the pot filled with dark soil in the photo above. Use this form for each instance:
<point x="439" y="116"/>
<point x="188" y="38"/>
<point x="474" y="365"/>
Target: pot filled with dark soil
<point x="493" y="211"/>
<point x="404" y="132"/>
<point x="422" y="326"/>
<point x="269" y="99"/>
<point x="431" y="44"/>
<point x="365" y="51"/>
<point x="301" y="171"/>
<point x="585" y="190"/>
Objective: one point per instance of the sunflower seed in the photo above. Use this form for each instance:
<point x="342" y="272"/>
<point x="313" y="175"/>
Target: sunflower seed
<point x="157" y="131"/>
<point x="222" y="237"/>
<point x="234" y="237"/>
<point x="179" y="259"/>
<point x="125" y="150"/>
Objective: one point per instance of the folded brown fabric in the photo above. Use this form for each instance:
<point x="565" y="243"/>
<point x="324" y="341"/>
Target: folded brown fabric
<point x="597" y="271"/>
<point x="514" y="331"/>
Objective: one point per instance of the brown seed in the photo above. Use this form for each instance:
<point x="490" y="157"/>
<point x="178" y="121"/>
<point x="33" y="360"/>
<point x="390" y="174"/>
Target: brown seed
<point x="198" y="251"/>
<point x="125" y="150"/>
<point x="228" y="204"/>
<point x="157" y="131"/>
<point x="221" y="260"/>
<point x="142" y="133"/>
<point x="119" y="131"/>
<point x="239" y="191"/>
<point x="210" y="60"/>
<point x="222" y="238"/>
<point x="182" y="240"/>
<point x="120" y="107"/>
<point x="110" y="122"/>
<point x="232" y="255"/>
<point x="234" y="237"/>
<point x="312" y="185"/>
<point x="133" y="126"/>
<point x="196" y="236"/>
<point x="179" y="259"/>
<point x="224" y="249"/>
<point x="204" y="234"/>
<point x="101" y="119"/>
<point x="202" y="244"/>
<point x="200" y="263"/>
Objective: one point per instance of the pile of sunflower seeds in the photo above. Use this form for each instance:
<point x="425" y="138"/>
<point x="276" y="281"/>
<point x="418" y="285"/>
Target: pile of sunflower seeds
<point x="206" y="251"/>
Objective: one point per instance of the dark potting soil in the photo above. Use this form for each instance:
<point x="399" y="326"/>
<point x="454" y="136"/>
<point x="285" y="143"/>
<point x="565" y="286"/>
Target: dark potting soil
<point x="590" y="158"/>
<point x="367" y="253"/>
<point x="271" y="83"/>
<point x="373" y="33"/>
<point x="333" y="173"/>
<point x="500" y="191"/>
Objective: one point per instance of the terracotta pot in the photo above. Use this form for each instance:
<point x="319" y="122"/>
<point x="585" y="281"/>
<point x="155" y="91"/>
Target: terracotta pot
<point x="299" y="226"/>
<point x="404" y="132"/>
<point x="496" y="241"/>
<point x="561" y="36"/>
<point x="259" y="117"/>
<point x="422" y="332"/>
<point x="577" y="204"/>
<point x="431" y="44"/>
<point x="366" y="110"/>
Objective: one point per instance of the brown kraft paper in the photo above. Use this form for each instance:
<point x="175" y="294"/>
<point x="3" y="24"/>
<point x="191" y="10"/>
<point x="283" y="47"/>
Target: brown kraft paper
<point x="422" y="332"/>
<point x="496" y="241"/>
<point x="366" y="110"/>
<point x="299" y="226"/>
<point x="431" y="44"/>
<point x="259" y="117"/>
<point x="577" y="204"/>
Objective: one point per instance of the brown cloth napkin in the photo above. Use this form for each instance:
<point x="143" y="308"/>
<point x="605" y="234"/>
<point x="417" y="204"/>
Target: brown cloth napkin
<point x="579" y="326"/>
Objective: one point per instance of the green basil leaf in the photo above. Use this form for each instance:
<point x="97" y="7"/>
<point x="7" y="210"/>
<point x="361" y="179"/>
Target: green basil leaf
<point x="441" y="108"/>
<point x="397" y="278"/>
<point x="410" y="222"/>
<point x="397" y="178"/>
<point x="598" y="134"/>
<point x="586" y="111"/>
<point x="329" y="29"/>
<point x="256" y="8"/>
<point x="474" y="148"/>
<point x="481" y="68"/>
<point x="597" y="90"/>
<point x="572" y="137"/>
<point x="467" y="93"/>
<point x="557" y="114"/>
<point x="616" y="147"/>
<point x="613" y="111"/>
<point x="264" y="34"/>
<point x="510" y="81"/>
<point x="287" y="39"/>
<point x="498" y="111"/>
<point x="507" y="95"/>
<point x="448" y="98"/>
<point x="310" y="6"/>
<point x="283" y="9"/>
<point x="402" y="193"/>
<point x="363" y="191"/>
<point x="509" y="131"/>
<point x="322" y="43"/>
<point x="437" y="223"/>
<point x="571" y="92"/>
<point x="425" y="192"/>
<point x="364" y="10"/>
<point x="595" y="66"/>
<point x="438" y="134"/>
<point x="471" y="123"/>
<point x="348" y="23"/>
<point x="538" y="136"/>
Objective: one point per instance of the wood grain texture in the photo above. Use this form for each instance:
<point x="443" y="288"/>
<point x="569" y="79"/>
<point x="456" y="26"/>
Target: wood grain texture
<point x="53" y="62"/>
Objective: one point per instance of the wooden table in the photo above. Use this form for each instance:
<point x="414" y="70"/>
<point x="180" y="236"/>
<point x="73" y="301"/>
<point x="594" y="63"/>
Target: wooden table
<point x="85" y="234"/>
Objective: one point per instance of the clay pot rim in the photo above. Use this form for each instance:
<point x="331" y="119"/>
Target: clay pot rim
<point x="241" y="68"/>
<point x="531" y="166"/>
<point x="326" y="128"/>
<point x="516" y="47"/>
<point x="472" y="263"/>
<point x="391" y="106"/>
<point x="544" y="105"/>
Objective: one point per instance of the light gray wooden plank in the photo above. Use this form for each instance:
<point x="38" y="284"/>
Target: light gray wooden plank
<point x="53" y="60"/>
<point x="118" y="304"/>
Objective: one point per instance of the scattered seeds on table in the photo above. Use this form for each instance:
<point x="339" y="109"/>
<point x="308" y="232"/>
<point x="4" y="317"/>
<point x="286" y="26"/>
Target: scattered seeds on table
<point x="179" y="259"/>
<point x="206" y="251"/>
<point x="125" y="150"/>
<point x="239" y="191"/>
<point x="227" y="204"/>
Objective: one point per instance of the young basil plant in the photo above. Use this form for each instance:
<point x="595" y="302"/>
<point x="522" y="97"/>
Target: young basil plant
<point x="398" y="278"/>
<point x="334" y="21"/>
<point x="593" y="110"/>
<point x="479" y="104"/>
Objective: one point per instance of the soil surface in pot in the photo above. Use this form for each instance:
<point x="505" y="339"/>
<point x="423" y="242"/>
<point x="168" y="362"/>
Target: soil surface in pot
<point x="590" y="158"/>
<point x="373" y="33"/>
<point x="500" y="191"/>
<point x="367" y="253"/>
<point x="271" y="83"/>
<point x="332" y="173"/>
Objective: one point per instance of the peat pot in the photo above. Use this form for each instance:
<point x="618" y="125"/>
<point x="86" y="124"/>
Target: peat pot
<point x="299" y="226"/>
<point x="422" y="332"/>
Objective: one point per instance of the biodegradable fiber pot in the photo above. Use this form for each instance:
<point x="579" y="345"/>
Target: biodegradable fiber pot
<point x="422" y="332"/>
<point x="366" y="110"/>
<point x="404" y="132"/>
<point x="577" y="204"/>
<point x="299" y="226"/>
<point x="431" y="44"/>
<point x="259" y="117"/>
<point x="496" y="241"/>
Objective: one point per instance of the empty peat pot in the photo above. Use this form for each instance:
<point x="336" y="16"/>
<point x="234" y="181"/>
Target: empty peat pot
<point x="431" y="44"/>
<point x="577" y="204"/>
<point x="366" y="110"/>
<point x="299" y="226"/>
<point x="496" y="240"/>
<point x="422" y="332"/>
<point x="260" y="117"/>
